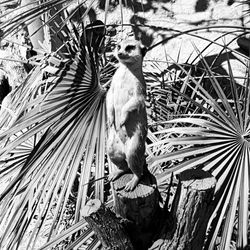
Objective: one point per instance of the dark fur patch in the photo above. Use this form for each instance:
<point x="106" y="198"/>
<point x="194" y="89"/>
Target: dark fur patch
<point x="144" y="50"/>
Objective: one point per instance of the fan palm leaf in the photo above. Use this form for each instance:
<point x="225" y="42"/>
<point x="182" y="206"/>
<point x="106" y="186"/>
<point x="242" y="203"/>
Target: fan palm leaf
<point x="59" y="134"/>
<point x="215" y="139"/>
<point x="69" y="118"/>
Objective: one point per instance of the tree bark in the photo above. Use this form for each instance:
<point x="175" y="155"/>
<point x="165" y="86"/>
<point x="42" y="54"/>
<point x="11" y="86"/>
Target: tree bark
<point x="139" y="208"/>
<point x="191" y="210"/>
<point x="106" y="226"/>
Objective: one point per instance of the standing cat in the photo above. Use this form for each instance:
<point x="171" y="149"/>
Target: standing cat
<point x="126" y="113"/>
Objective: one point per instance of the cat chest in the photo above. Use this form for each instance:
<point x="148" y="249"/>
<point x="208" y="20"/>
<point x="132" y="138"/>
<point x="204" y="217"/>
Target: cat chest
<point x="125" y="83"/>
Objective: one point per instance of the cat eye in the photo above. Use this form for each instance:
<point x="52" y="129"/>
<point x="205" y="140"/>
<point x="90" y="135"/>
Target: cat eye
<point x="129" y="48"/>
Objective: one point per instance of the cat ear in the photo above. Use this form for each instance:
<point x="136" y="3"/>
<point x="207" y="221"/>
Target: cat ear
<point x="144" y="50"/>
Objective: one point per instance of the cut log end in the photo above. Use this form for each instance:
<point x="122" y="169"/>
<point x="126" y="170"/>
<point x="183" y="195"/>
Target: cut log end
<point x="139" y="207"/>
<point x="106" y="226"/>
<point x="91" y="207"/>
<point x="191" y="210"/>
<point x="145" y="187"/>
<point x="197" y="179"/>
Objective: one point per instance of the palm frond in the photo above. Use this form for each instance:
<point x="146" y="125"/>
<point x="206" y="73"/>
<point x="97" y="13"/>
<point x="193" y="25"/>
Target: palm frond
<point x="212" y="135"/>
<point x="28" y="14"/>
<point x="70" y="113"/>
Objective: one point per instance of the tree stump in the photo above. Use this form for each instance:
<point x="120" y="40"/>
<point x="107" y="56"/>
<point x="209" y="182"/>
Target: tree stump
<point x="139" y="208"/>
<point x="191" y="210"/>
<point x="106" y="226"/>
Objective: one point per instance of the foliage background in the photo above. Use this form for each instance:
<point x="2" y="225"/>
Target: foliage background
<point x="166" y="17"/>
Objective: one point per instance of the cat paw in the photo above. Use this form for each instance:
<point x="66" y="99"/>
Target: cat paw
<point x="116" y="174"/>
<point x="131" y="185"/>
